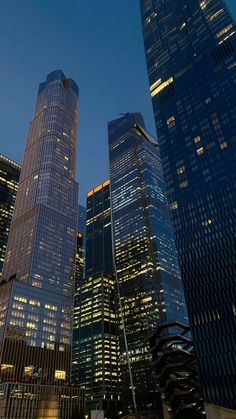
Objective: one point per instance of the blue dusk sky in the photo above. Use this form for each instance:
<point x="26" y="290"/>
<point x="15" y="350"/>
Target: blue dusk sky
<point x="96" y="42"/>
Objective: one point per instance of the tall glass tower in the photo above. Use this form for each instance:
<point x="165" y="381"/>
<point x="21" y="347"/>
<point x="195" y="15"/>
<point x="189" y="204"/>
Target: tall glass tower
<point x="145" y="254"/>
<point x="82" y="221"/>
<point x="37" y="296"/>
<point x="95" y="340"/>
<point x="9" y="179"/>
<point x="190" y="50"/>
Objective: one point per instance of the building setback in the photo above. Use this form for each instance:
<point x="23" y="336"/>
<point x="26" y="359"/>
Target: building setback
<point x="38" y="289"/>
<point x="145" y="254"/>
<point x="190" y="51"/>
<point x="9" y="179"/>
<point x="95" y="340"/>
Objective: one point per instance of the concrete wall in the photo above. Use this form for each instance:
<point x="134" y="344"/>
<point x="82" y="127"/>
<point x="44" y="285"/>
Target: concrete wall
<point x="97" y="414"/>
<point x="216" y="412"/>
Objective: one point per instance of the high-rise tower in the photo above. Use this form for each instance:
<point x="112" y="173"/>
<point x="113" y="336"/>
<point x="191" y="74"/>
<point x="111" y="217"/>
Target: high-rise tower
<point x="79" y="259"/>
<point x="95" y="339"/>
<point x="9" y="179"/>
<point x="190" y="50"/>
<point x="79" y="277"/>
<point x="82" y="222"/>
<point x="37" y="296"/>
<point x="145" y="254"/>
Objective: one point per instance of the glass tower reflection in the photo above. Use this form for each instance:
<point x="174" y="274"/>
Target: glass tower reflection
<point x="191" y="60"/>
<point x="37" y="296"/>
<point x="146" y="259"/>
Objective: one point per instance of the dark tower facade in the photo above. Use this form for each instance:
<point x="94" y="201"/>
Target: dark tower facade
<point x="82" y="221"/>
<point x="79" y="277"/>
<point x="80" y="259"/>
<point x="190" y="50"/>
<point x="9" y="179"/>
<point x="95" y="341"/>
<point x="145" y="254"/>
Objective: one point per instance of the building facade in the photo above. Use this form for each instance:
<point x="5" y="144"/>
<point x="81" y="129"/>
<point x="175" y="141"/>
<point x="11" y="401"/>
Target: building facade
<point x="191" y="54"/>
<point x="27" y="401"/>
<point x="79" y="260"/>
<point x="82" y="220"/>
<point x="95" y="342"/>
<point x="79" y="278"/>
<point x="9" y="179"/>
<point x="38" y="289"/>
<point x="145" y="254"/>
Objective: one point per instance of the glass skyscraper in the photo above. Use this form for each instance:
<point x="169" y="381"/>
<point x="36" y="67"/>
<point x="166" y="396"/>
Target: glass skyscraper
<point x="37" y="290"/>
<point x="79" y="259"/>
<point x="79" y="277"/>
<point x="145" y="254"/>
<point x="190" y="50"/>
<point x="82" y="220"/>
<point x="95" y="340"/>
<point x="9" y="179"/>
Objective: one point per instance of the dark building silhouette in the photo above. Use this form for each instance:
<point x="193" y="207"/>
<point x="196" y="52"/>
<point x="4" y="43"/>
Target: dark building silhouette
<point x="95" y="341"/>
<point x="79" y="278"/>
<point x="79" y="260"/>
<point x="190" y="49"/>
<point x="175" y="370"/>
<point x="82" y="220"/>
<point x="9" y="179"/>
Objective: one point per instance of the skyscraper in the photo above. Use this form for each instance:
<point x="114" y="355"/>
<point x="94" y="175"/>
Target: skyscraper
<point x="145" y="254"/>
<point x="9" y="179"/>
<point x="191" y="53"/>
<point x="79" y="277"/>
<point x="80" y="259"/>
<point x="95" y="341"/>
<point x="82" y="220"/>
<point x="37" y="296"/>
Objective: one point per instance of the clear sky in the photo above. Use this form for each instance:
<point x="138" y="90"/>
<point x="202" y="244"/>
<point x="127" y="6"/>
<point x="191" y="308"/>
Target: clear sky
<point x="96" y="42"/>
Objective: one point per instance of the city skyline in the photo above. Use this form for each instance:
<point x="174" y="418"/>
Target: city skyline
<point x="137" y="228"/>
<point x="105" y="72"/>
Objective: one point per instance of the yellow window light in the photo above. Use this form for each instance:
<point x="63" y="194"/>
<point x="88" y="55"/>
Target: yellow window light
<point x="107" y="182"/>
<point x="60" y="375"/>
<point x="7" y="367"/>
<point x="162" y="86"/>
<point x="90" y="193"/>
<point x="98" y="188"/>
<point x="28" y="370"/>
<point x="174" y="205"/>
<point x="154" y="85"/>
<point x="200" y="151"/>
<point x="224" y="30"/>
